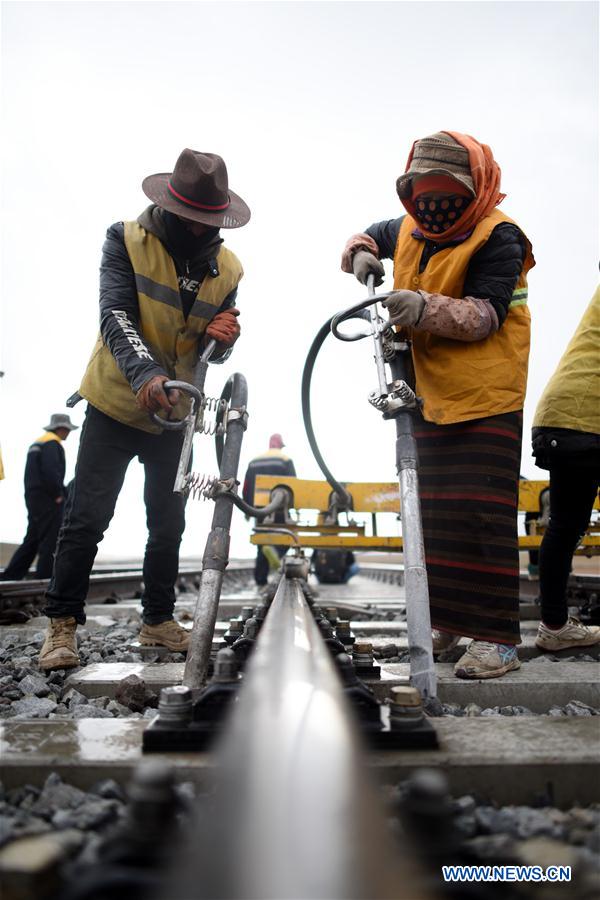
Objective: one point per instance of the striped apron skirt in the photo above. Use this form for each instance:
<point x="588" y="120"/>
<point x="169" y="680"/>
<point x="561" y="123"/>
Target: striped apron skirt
<point x="468" y="480"/>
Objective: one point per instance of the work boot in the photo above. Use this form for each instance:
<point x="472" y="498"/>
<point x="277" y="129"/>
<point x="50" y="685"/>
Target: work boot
<point x="485" y="660"/>
<point x="572" y="634"/>
<point x="442" y="641"/>
<point x="167" y="634"/>
<point x="59" y="650"/>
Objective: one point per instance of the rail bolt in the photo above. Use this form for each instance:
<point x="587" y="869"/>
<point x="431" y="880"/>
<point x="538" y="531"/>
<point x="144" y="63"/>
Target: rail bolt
<point x="343" y="632"/>
<point x="406" y="708"/>
<point x="175" y="705"/>
<point x="226" y="666"/>
<point x="325" y="628"/>
<point x="362" y="654"/>
<point x="251" y="628"/>
<point x="235" y="630"/>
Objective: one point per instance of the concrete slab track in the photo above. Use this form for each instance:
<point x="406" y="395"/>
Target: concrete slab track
<point x="538" y="684"/>
<point x="518" y="760"/>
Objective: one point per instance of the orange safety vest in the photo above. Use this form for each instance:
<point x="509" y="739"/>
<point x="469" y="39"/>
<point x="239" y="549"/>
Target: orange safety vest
<point x="460" y="380"/>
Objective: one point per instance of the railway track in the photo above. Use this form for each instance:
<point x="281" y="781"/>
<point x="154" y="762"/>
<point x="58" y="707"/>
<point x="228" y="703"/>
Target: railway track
<point x="516" y="762"/>
<point x="108" y="584"/>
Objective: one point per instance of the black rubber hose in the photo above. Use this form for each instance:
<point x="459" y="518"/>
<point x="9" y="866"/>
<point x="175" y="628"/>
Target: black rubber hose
<point x="344" y="497"/>
<point x="277" y="502"/>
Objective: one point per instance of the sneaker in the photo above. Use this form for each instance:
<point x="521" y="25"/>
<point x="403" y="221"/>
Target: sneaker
<point x="167" y="634"/>
<point x="572" y="634"/>
<point x="59" y="650"/>
<point x="442" y="641"/>
<point x="485" y="660"/>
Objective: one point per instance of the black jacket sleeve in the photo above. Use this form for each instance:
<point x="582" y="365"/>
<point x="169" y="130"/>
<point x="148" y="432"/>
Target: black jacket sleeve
<point x="120" y="312"/>
<point x="52" y="468"/>
<point x="494" y="270"/>
<point x="385" y="235"/>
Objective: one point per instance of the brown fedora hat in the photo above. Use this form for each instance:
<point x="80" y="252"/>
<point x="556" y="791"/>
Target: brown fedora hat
<point x="197" y="189"/>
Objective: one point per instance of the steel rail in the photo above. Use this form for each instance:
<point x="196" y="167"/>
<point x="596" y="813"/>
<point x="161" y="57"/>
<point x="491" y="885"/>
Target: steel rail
<point x="294" y="816"/>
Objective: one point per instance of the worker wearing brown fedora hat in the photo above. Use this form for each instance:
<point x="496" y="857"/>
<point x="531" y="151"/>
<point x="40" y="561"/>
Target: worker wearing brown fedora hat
<point x="198" y="191"/>
<point x="460" y="296"/>
<point x="168" y="285"/>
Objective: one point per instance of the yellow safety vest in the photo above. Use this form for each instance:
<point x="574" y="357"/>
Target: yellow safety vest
<point x="572" y="396"/>
<point x="459" y="380"/>
<point x="172" y="339"/>
<point x="46" y="437"/>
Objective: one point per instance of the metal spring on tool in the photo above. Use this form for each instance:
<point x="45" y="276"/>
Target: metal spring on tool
<point x="404" y="392"/>
<point x="216" y="406"/>
<point x="389" y="350"/>
<point x="200" y="485"/>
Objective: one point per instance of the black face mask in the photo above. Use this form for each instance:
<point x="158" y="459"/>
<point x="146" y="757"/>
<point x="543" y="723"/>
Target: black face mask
<point x="182" y="241"/>
<point x="438" y="215"/>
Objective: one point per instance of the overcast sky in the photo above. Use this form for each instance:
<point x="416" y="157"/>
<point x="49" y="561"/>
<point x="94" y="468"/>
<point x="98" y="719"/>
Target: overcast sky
<point x="314" y="107"/>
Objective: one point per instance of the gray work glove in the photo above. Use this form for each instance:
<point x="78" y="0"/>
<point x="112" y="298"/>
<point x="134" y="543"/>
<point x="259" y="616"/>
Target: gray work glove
<point x="365" y="264"/>
<point x="404" y="308"/>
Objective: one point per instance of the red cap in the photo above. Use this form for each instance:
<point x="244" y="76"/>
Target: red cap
<point x="427" y="184"/>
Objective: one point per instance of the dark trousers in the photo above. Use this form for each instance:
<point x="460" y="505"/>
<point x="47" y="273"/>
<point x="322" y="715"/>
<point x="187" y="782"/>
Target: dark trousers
<point x="45" y="517"/>
<point x="105" y="450"/>
<point x="573" y="489"/>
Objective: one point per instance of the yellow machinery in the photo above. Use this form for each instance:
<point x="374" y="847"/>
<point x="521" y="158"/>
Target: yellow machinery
<point x="370" y="498"/>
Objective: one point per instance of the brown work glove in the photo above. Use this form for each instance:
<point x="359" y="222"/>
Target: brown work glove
<point x="152" y="396"/>
<point x="365" y="264"/>
<point x="225" y="327"/>
<point x="356" y="242"/>
<point x="404" y="308"/>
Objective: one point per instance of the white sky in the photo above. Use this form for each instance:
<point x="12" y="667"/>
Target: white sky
<point x="314" y="107"/>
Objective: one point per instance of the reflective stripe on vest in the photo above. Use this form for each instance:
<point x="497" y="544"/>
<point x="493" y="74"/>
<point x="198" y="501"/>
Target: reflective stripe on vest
<point x="461" y="380"/>
<point x="171" y="339"/>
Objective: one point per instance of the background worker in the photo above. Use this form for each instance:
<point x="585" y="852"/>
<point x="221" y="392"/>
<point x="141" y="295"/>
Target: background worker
<point x="271" y="462"/>
<point x="460" y="295"/>
<point x="166" y="287"/>
<point x="333" y="565"/>
<point x="566" y="441"/>
<point x="45" y="494"/>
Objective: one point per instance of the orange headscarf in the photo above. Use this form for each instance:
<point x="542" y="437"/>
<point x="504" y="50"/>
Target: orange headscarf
<point x="485" y="173"/>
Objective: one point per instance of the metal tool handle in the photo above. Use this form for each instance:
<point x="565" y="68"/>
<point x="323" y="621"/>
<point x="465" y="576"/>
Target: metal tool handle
<point x="376" y="332"/>
<point x="276" y="529"/>
<point x="359" y="311"/>
<point x="178" y="424"/>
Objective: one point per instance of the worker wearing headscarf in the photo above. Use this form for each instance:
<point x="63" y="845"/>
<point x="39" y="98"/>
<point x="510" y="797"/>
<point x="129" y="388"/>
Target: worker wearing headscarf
<point x="460" y="296"/>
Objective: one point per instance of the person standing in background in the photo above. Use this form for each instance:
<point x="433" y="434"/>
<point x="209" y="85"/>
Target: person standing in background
<point x="272" y="462"/>
<point x="45" y="494"/>
<point x="566" y="441"/>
